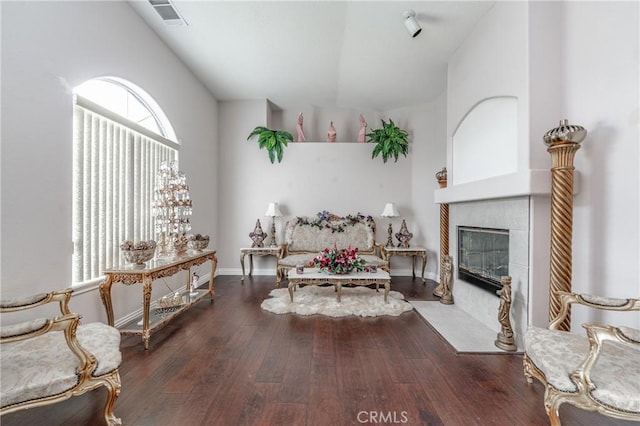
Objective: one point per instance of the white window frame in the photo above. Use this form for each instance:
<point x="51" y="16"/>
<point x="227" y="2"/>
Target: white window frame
<point x="115" y="162"/>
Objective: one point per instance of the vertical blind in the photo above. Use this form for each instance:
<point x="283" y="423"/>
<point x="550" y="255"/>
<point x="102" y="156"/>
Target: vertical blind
<point x="114" y="171"/>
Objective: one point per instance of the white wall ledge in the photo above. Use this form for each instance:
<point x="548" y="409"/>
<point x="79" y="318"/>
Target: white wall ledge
<point x="530" y="182"/>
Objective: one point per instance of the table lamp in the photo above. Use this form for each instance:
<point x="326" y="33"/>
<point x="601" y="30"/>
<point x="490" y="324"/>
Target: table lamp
<point x="390" y="211"/>
<point x="273" y="211"/>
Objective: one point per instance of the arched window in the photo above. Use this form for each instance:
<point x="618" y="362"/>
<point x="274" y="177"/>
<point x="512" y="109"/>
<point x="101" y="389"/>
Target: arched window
<point x="120" y="138"/>
<point x="129" y="101"/>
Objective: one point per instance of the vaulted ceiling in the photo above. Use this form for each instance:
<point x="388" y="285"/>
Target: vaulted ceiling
<point x="352" y="54"/>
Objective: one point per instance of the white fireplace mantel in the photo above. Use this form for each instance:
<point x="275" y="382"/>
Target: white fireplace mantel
<point x="529" y="182"/>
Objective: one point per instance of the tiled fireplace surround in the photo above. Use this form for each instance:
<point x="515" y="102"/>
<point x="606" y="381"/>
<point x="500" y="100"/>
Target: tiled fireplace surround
<point x="507" y="213"/>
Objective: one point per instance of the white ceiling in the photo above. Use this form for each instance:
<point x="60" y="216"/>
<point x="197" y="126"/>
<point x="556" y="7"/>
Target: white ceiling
<point x="354" y="54"/>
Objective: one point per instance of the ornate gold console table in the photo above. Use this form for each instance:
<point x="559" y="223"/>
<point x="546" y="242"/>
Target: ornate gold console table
<point x="156" y="268"/>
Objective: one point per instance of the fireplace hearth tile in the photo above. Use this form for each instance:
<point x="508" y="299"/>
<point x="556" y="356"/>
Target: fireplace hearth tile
<point x="463" y="332"/>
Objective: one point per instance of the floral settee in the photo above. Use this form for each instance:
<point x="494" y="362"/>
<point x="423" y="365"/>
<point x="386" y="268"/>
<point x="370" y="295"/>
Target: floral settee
<point x="305" y="237"/>
<point x="47" y="360"/>
<point x="599" y="372"/>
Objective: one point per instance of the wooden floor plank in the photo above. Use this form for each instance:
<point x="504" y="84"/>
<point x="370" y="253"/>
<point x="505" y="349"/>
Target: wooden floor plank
<point x="228" y="362"/>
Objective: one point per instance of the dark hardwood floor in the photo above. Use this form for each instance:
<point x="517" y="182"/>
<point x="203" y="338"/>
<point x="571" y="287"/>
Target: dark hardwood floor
<point x="230" y="363"/>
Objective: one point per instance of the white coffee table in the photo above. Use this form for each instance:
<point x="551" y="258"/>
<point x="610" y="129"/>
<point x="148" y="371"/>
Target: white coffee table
<point x="312" y="276"/>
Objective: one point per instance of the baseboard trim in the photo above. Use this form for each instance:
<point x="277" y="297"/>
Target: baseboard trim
<point x="138" y="312"/>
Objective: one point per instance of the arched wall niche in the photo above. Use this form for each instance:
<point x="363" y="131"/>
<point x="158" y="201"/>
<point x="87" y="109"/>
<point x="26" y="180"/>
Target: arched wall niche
<point x="485" y="143"/>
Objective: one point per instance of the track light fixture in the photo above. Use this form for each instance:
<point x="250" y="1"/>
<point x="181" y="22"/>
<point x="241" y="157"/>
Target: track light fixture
<point x="412" y="24"/>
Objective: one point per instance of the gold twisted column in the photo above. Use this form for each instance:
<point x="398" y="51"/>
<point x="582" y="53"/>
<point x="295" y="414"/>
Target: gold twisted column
<point x="562" y="143"/>
<point x="441" y="176"/>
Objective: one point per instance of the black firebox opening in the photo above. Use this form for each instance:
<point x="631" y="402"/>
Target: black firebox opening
<point x="483" y="256"/>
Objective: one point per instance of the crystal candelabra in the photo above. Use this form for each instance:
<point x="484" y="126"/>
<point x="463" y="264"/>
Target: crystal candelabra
<point x="172" y="210"/>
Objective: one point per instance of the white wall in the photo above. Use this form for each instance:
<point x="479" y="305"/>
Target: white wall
<point x="494" y="61"/>
<point x="601" y="92"/>
<point x="338" y="177"/>
<point x="487" y="135"/>
<point x="428" y="156"/>
<point x="491" y="62"/>
<point x="575" y="60"/>
<point x="47" y="49"/>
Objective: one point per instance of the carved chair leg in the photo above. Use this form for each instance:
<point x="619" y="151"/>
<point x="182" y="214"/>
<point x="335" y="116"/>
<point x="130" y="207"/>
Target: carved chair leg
<point x="113" y="386"/>
<point x="526" y="364"/>
<point x="552" y="402"/>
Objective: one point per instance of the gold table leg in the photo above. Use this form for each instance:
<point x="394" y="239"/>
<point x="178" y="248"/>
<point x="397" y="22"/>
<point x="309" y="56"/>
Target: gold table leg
<point x="146" y="296"/>
<point x="292" y="285"/>
<point x="214" y="265"/>
<point x="413" y="266"/>
<point x="424" y="264"/>
<point x="105" y="295"/>
<point x="242" y="254"/>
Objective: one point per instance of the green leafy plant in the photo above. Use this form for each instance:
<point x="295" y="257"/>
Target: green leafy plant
<point x="273" y="140"/>
<point x="390" y="140"/>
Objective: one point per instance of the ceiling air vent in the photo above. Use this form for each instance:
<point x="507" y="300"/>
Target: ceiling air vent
<point x="167" y="12"/>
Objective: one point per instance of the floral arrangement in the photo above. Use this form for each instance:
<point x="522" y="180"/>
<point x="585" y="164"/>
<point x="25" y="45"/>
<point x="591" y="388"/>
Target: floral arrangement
<point x="326" y="220"/>
<point x="338" y="261"/>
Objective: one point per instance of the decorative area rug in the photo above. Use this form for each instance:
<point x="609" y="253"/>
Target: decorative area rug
<point x="458" y="328"/>
<point x="317" y="300"/>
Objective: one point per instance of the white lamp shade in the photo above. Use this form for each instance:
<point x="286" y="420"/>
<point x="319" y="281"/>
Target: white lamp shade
<point x="273" y="210"/>
<point x="390" y="211"/>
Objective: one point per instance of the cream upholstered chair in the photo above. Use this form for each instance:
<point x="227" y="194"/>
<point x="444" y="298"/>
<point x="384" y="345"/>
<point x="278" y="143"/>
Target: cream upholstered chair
<point x="599" y="372"/>
<point x="47" y="360"/>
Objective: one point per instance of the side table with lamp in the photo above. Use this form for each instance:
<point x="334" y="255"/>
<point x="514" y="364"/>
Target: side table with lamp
<point x="258" y="248"/>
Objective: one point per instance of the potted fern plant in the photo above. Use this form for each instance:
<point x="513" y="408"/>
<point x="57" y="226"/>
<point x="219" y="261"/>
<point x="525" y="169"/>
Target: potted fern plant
<point x="274" y="141"/>
<point x="390" y="140"/>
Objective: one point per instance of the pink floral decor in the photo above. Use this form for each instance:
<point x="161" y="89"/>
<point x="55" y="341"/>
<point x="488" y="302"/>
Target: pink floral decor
<point x="338" y="261"/>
